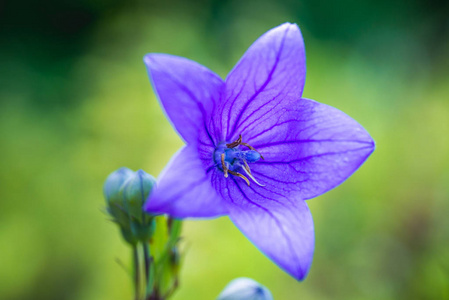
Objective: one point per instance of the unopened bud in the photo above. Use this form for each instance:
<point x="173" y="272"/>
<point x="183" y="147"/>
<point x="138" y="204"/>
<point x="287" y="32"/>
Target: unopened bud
<point x="135" y="192"/>
<point x="245" y="289"/>
<point x="143" y="231"/>
<point x="113" y="193"/>
<point x="126" y="192"/>
<point x="128" y="235"/>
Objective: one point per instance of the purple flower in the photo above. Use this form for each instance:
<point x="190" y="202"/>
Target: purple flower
<point x="255" y="148"/>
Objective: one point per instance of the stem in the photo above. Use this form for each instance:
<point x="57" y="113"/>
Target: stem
<point x="146" y="253"/>
<point x="172" y="289"/>
<point x="136" y="272"/>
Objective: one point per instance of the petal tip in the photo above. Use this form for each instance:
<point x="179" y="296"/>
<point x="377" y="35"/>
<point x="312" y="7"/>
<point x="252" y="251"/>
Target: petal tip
<point x="287" y="27"/>
<point x="159" y="58"/>
<point x="147" y="206"/>
<point x="301" y="274"/>
<point x="373" y="145"/>
<point x="152" y="209"/>
<point x="152" y="58"/>
<point x="299" y="271"/>
<point x="147" y="58"/>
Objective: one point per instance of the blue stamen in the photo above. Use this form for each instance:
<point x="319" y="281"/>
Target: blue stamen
<point x="252" y="156"/>
<point x="230" y="158"/>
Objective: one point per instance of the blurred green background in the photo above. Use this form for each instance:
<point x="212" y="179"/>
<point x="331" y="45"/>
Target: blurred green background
<point x="76" y="104"/>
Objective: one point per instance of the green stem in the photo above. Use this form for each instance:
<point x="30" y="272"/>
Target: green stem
<point x="136" y="272"/>
<point x="149" y="283"/>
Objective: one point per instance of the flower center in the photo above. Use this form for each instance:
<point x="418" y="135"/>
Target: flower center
<point x="231" y="159"/>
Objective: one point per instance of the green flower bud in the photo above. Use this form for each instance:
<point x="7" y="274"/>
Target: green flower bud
<point x="113" y="193"/>
<point x="143" y="231"/>
<point x="129" y="237"/>
<point x="245" y="289"/>
<point x="135" y="192"/>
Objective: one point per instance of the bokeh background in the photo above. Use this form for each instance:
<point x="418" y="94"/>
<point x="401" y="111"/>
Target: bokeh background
<point x="76" y="104"/>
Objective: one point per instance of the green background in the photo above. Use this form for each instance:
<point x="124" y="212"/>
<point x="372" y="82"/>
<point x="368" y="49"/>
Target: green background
<point x="76" y="104"/>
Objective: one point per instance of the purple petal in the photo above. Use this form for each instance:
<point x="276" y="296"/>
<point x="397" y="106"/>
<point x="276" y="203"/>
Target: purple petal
<point x="273" y="67"/>
<point x="188" y="92"/>
<point x="283" y="232"/>
<point x="184" y="189"/>
<point x="309" y="147"/>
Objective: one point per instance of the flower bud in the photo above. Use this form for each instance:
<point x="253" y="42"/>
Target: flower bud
<point x="143" y="231"/>
<point x="128" y="235"/>
<point x="113" y="193"/>
<point x="245" y="289"/>
<point x="135" y="192"/>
